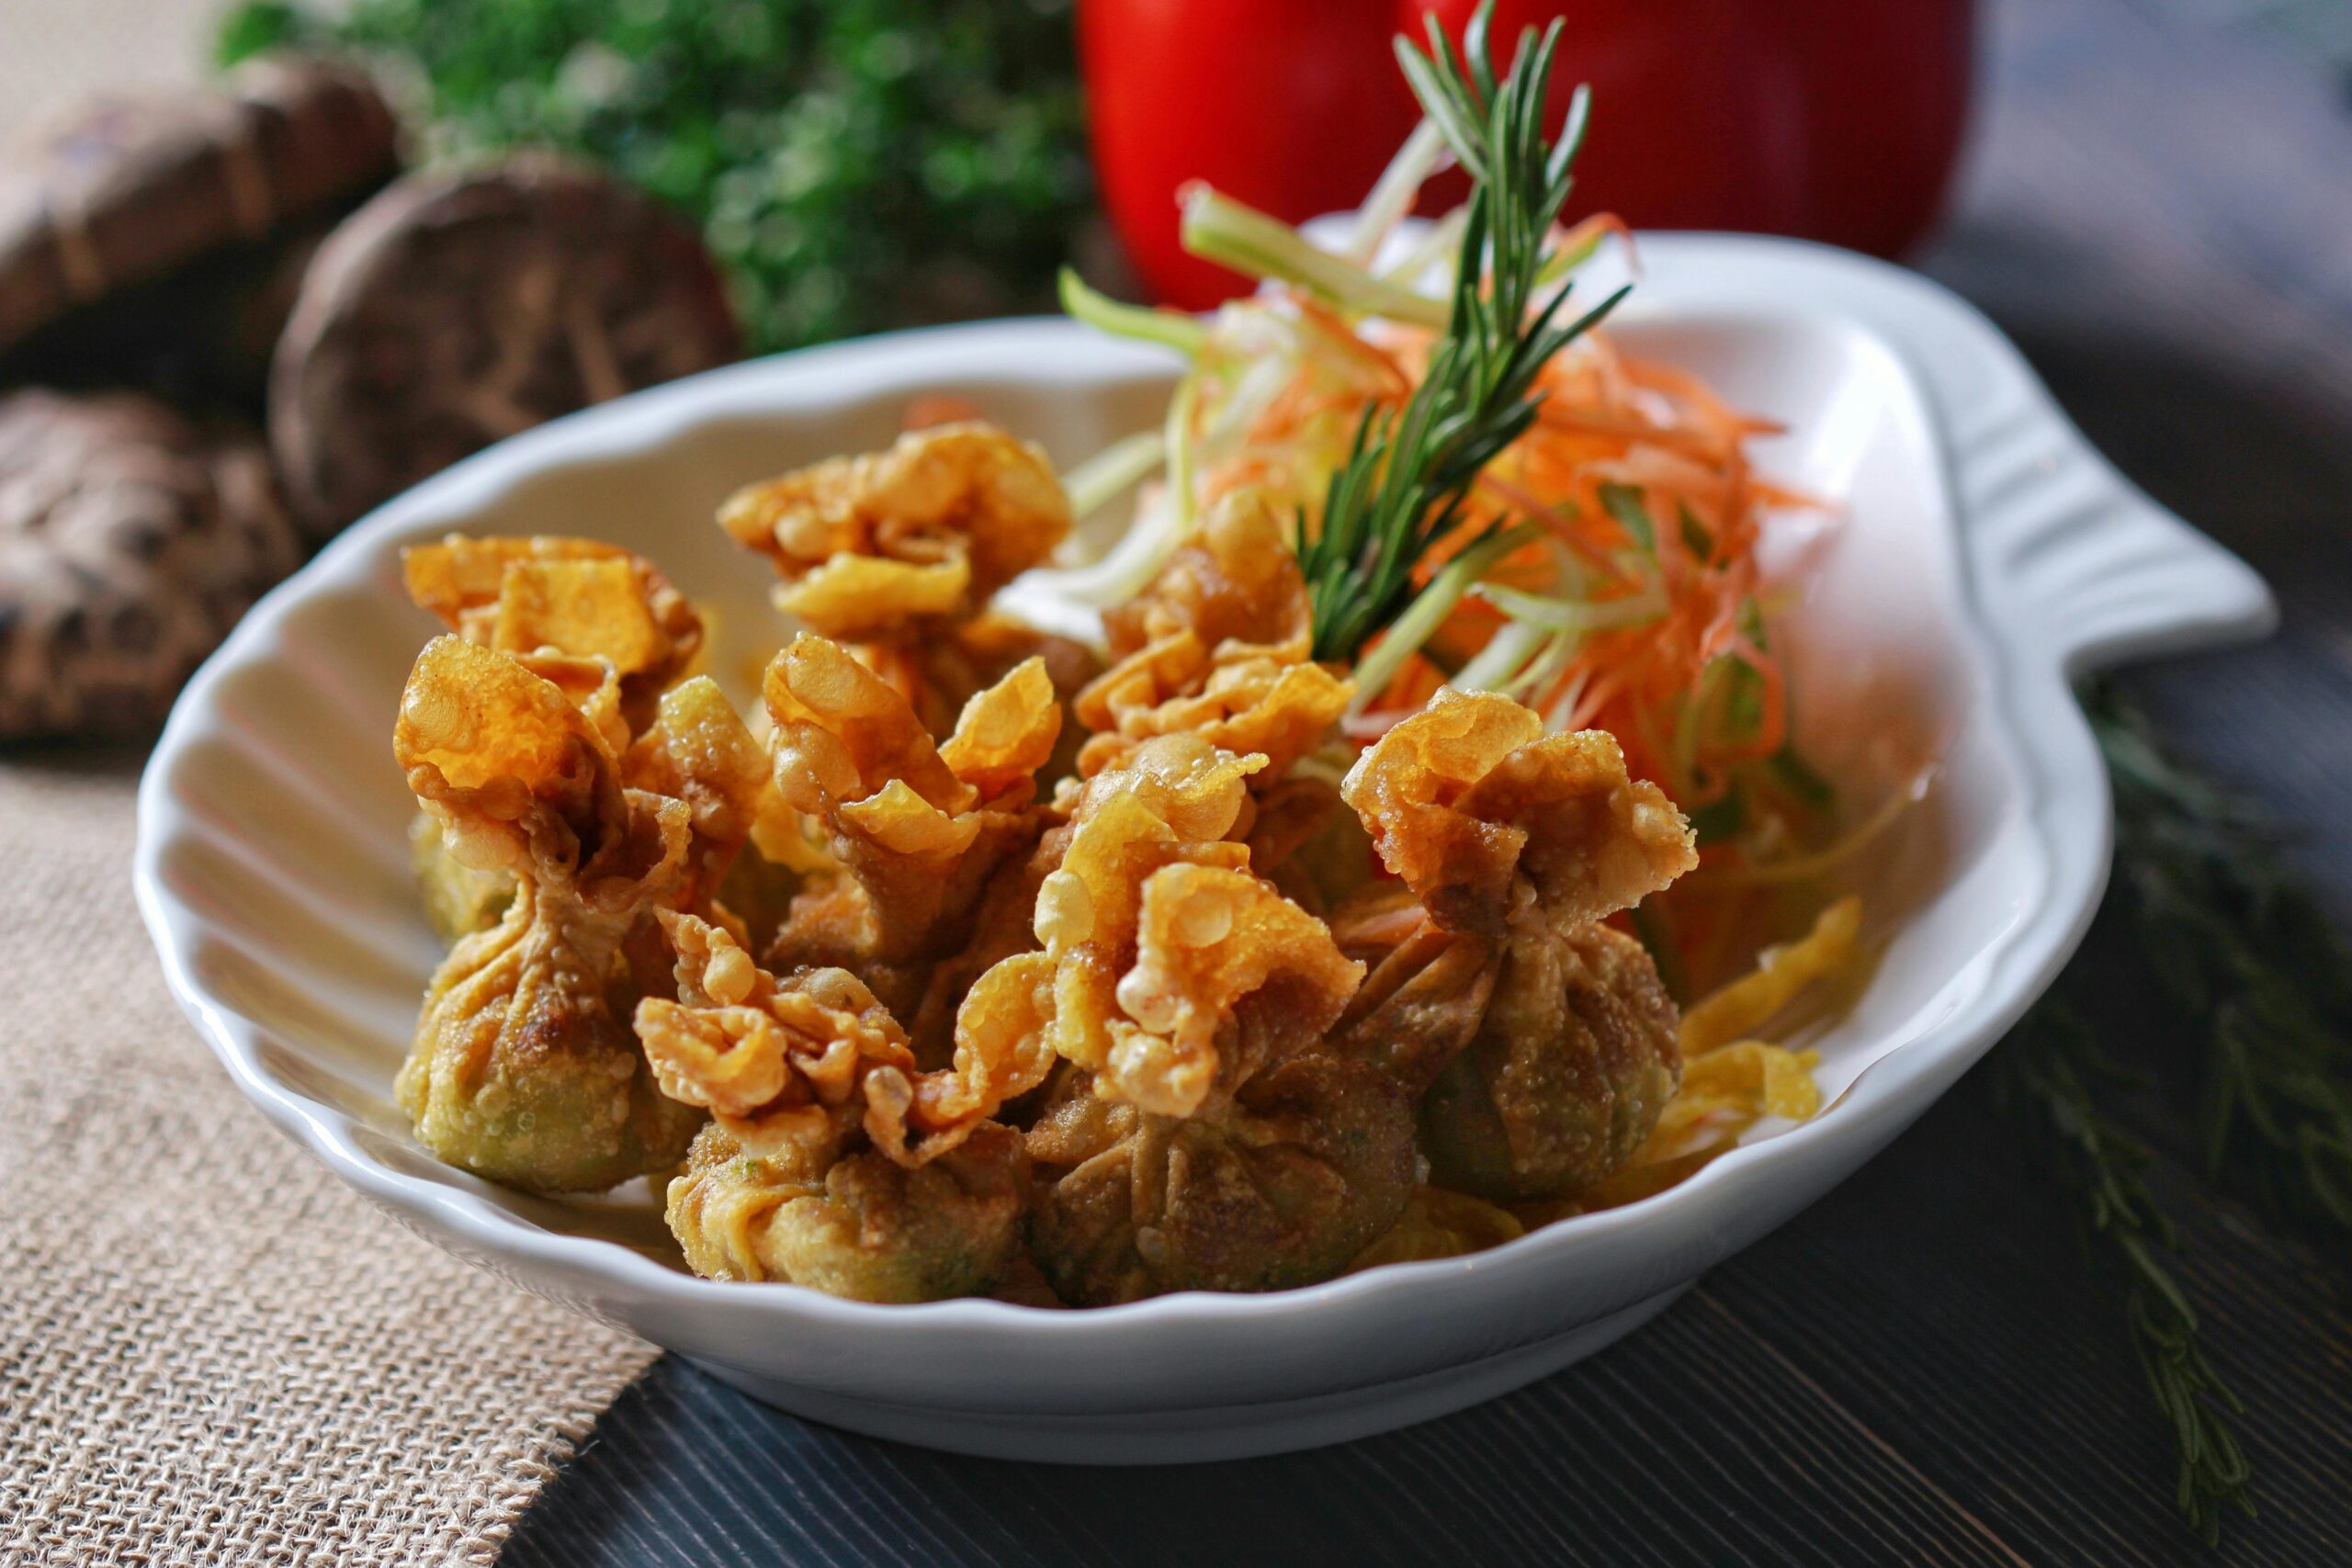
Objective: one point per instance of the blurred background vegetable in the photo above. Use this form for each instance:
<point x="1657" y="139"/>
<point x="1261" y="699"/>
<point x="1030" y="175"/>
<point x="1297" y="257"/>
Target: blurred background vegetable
<point x="1833" y="120"/>
<point x="855" y="164"/>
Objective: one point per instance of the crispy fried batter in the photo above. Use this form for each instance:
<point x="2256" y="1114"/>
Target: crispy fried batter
<point x="919" y="839"/>
<point x="869" y="547"/>
<point x="1571" y="1065"/>
<point x="573" y="596"/>
<point x="834" y="1161"/>
<point x="1218" y="646"/>
<point x="800" y="1066"/>
<point x="1158" y="929"/>
<point x="1310" y="1162"/>
<point x="862" y="1226"/>
<point x="1477" y="809"/>
<point x="1545" y="1038"/>
<point x="602" y="625"/>
<point x="521" y="1069"/>
<point x="698" y="750"/>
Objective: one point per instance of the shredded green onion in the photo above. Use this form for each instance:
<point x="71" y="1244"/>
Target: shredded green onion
<point x="1571" y="614"/>
<point x="1180" y="331"/>
<point x="1219" y="229"/>
<point x="1112" y="472"/>
<point x="1429" y="609"/>
<point x="1392" y="196"/>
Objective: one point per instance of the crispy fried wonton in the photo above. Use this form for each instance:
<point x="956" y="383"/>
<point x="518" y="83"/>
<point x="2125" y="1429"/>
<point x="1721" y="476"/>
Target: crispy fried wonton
<point x="524" y="1068"/>
<point x="832" y="1159"/>
<point x="867" y="547"/>
<point x="573" y="596"/>
<point x="1545" y="1040"/>
<point x="601" y="624"/>
<point x="1218" y="646"/>
<point x="918" y="828"/>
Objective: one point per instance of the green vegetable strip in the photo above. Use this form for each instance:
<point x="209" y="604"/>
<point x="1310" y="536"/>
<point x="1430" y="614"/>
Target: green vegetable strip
<point x="1219" y="229"/>
<point x="1180" y="331"/>
<point x="1429" y="611"/>
<point x="1114" y="471"/>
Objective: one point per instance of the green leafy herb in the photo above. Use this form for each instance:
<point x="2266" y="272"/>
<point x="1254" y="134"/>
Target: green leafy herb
<point x="854" y="163"/>
<point x="2236" y="940"/>
<point x="2049" y="1067"/>
<point x="1404" y="484"/>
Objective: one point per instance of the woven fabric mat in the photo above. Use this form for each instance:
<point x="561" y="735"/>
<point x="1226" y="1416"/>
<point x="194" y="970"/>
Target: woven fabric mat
<point x="210" y="1351"/>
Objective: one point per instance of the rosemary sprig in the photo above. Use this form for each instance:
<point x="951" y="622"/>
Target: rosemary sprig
<point x="2238" y="942"/>
<point x="1406" y="482"/>
<point x="2049" y="1067"/>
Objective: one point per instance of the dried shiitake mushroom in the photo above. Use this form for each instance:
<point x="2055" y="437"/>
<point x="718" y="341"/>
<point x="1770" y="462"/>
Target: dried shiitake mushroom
<point x="459" y="308"/>
<point x="130" y="542"/>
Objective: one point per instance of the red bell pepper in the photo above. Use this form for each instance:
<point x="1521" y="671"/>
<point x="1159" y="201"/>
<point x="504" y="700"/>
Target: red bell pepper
<point x="1834" y="120"/>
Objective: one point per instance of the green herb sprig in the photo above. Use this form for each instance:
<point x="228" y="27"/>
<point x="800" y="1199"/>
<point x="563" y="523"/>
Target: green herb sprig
<point x="2050" y="1067"/>
<point x="1406" y="482"/>
<point x="2236" y="940"/>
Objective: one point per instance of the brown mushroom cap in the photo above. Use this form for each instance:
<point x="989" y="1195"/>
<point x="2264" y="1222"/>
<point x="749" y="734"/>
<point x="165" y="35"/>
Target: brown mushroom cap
<point x="129" y="543"/>
<point x="456" y="309"/>
<point x="124" y="190"/>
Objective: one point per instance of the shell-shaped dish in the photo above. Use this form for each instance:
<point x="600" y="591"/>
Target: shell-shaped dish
<point x="1984" y="554"/>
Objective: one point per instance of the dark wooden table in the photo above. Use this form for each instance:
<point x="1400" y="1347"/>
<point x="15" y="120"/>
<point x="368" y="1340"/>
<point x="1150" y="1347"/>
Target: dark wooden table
<point x="2158" y="205"/>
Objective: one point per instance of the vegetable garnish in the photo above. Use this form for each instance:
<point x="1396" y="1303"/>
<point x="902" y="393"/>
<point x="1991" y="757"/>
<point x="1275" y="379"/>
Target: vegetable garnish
<point x="1405" y="487"/>
<point x="1487" y="494"/>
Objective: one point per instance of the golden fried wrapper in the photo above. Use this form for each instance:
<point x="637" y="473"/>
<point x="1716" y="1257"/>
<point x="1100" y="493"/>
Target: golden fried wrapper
<point x="843" y="734"/>
<point x="1307" y="1163"/>
<point x="1571" y="1065"/>
<point x="577" y="597"/>
<point x="1217" y="647"/>
<point x="1161" y="936"/>
<point x="1006" y="733"/>
<point x="521" y="1071"/>
<point x="1469" y="799"/>
<point x="869" y="547"/>
<point x="1427" y="991"/>
<point x="861" y="1227"/>
<point x="501" y="754"/>
<point x="1235" y="580"/>
<point x="699" y="751"/>
<point x="919" y="840"/>
<point x="789" y="1070"/>
<point x="1207" y="939"/>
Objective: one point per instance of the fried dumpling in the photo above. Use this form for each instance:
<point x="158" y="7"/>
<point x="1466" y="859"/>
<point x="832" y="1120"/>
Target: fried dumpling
<point x="872" y="547"/>
<point x="603" y="624"/>
<point x="1545" y="1040"/>
<point x="918" y="828"/>
<point x="1305" y="1166"/>
<point x="1479" y="811"/>
<point x="1158" y="930"/>
<point x="524" y="1068"/>
<point x="1572" y="1060"/>
<point x="832" y="1160"/>
<point x="1218" y="646"/>
<point x="579" y="597"/>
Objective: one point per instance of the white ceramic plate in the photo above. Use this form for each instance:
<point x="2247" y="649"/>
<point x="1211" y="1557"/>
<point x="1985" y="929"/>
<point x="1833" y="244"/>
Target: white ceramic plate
<point x="1986" y="554"/>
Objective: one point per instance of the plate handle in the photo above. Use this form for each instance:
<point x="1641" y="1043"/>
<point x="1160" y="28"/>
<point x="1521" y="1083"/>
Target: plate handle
<point x="2078" y="562"/>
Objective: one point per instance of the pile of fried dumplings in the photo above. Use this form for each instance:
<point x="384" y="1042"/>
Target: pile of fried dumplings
<point x="984" y="962"/>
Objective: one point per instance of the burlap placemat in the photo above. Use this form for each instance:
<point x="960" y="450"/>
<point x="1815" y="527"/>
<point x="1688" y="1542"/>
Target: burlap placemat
<point x="210" y="1351"/>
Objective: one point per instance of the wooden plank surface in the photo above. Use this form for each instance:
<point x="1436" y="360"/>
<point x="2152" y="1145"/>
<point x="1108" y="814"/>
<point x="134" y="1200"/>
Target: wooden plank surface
<point x="2159" y="206"/>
